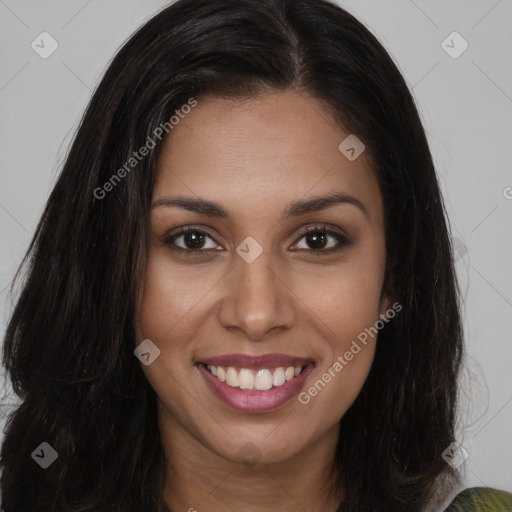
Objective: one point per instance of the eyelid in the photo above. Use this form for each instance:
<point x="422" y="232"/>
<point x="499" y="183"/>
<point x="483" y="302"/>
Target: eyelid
<point x="323" y="227"/>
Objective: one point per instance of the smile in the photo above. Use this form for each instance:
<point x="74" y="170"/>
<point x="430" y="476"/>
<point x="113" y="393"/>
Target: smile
<point x="255" y="383"/>
<point x="262" y="379"/>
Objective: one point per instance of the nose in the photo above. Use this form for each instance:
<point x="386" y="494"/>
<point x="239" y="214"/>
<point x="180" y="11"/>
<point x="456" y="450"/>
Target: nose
<point x="258" y="300"/>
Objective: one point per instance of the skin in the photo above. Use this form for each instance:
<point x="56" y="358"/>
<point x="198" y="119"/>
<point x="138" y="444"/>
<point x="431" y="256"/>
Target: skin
<point x="254" y="157"/>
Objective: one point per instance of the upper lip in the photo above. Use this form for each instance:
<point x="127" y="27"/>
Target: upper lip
<point x="255" y="362"/>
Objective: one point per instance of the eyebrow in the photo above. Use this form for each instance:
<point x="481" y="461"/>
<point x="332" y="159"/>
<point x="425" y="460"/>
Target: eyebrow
<point x="294" y="209"/>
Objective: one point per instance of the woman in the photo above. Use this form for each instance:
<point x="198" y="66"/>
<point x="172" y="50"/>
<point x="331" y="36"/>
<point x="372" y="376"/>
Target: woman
<point x="248" y="205"/>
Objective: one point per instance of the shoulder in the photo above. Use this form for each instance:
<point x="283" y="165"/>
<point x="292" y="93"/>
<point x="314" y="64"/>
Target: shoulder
<point x="481" y="499"/>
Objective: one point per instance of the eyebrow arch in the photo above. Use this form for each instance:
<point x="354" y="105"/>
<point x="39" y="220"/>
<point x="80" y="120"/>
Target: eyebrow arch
<point x="294" y="209"/>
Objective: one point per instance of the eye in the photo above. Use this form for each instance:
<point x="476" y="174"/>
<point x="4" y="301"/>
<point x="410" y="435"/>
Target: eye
<point x="191" y="240"/>
<point x="319" y="239"/>
<point x="196" y="242"/>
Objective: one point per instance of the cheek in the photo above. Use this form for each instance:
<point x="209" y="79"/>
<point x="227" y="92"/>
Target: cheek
<point x="170" y="294"/>
<point x="345" y="301"/>
<point x="345" y="297"/>
<point x="168" y="311"/>
<point x="350" y="313"/>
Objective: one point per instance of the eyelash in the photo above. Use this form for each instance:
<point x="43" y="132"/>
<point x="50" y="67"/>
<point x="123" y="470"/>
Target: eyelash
<point x="343" y="241"/>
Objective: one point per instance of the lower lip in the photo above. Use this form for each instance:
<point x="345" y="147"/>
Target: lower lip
<point x="255" y="401"/>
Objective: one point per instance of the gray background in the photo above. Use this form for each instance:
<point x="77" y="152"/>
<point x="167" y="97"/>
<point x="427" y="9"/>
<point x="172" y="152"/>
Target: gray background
<point x="465" y="104"/>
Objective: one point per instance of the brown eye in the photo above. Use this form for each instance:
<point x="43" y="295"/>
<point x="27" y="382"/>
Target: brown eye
<point x="316" y="239"/>
<point x="321" y="240"/>
<point x="192" y="240"/>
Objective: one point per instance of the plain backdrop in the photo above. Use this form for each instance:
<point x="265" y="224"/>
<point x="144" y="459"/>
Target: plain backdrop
<point x="465" y="101"/>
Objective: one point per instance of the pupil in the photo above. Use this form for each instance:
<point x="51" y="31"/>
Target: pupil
<point x="194" y="238"/>
<point x="316" y="238"/>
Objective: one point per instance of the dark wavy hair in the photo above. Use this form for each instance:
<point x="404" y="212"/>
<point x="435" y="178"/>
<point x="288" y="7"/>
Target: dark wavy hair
<point x="68" y="347"/>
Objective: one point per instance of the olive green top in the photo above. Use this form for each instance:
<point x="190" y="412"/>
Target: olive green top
<point x="474" y="499"/>
<point x="481" y="499"/>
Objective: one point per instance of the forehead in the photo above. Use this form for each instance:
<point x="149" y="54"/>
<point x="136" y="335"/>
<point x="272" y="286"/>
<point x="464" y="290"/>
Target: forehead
<point x="262" y="152"/>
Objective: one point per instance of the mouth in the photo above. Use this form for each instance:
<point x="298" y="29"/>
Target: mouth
<point x="255" y="383"/>
<point x="261" y="379"/>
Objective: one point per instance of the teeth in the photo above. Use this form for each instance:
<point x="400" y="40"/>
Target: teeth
<point x="279" y="378"/>
<point x="246" y="379"/>
<point x="232" y="377"/>
<point x="261" y="380"/>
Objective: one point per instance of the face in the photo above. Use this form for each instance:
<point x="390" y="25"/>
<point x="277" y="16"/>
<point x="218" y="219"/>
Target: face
<point x="282" y="267"/>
